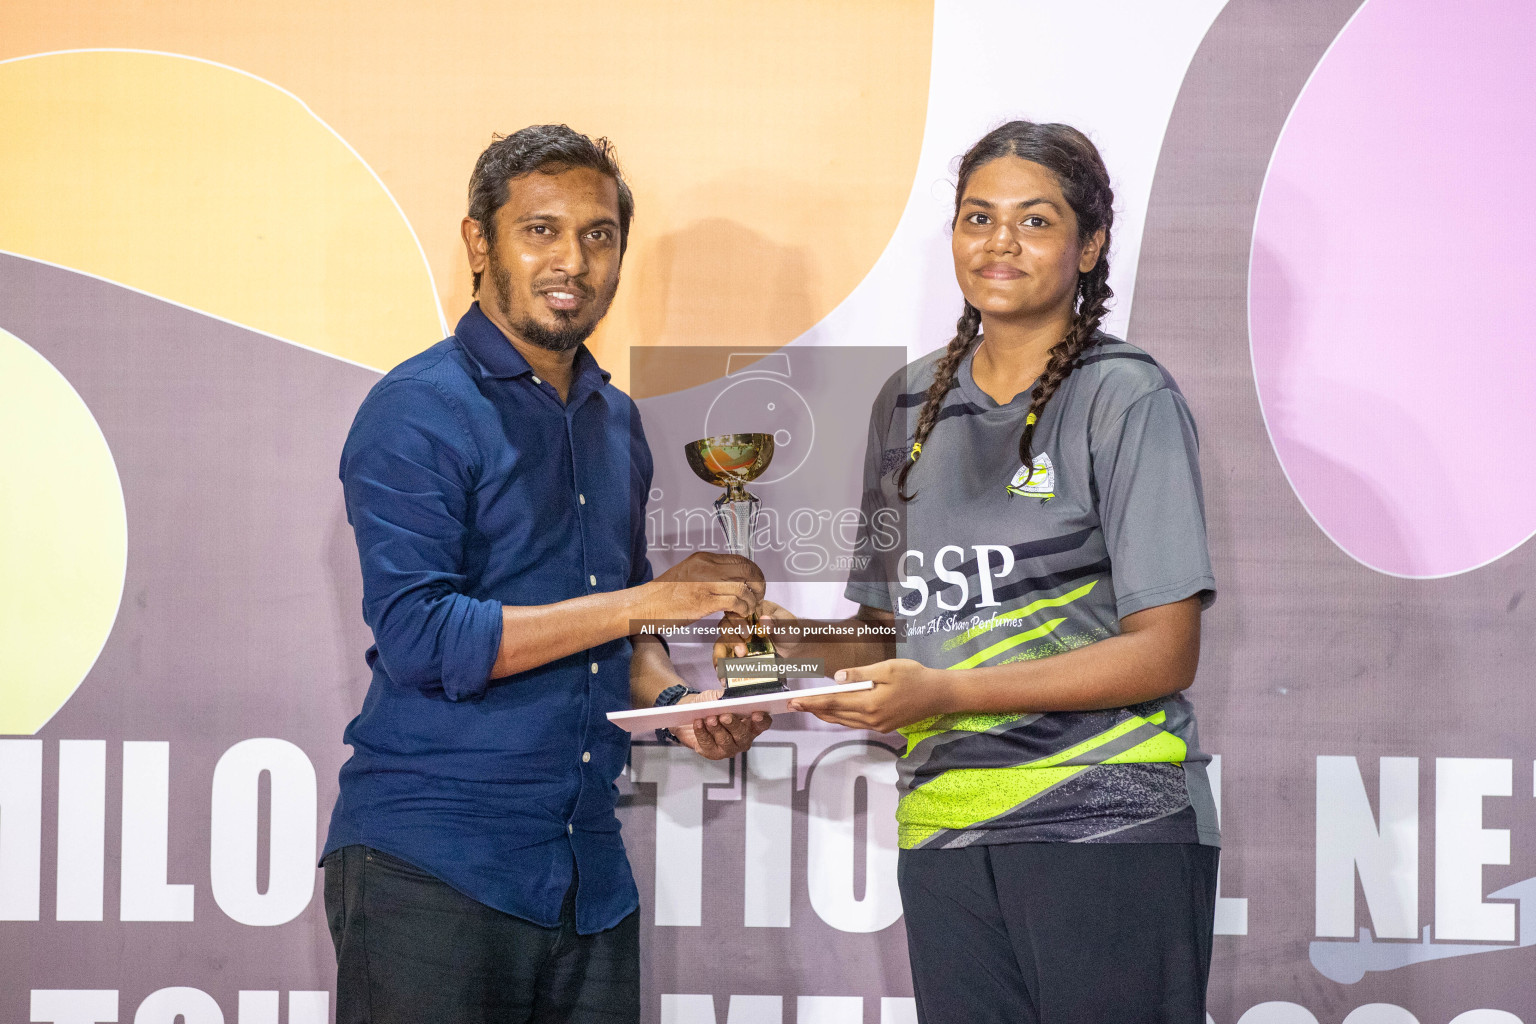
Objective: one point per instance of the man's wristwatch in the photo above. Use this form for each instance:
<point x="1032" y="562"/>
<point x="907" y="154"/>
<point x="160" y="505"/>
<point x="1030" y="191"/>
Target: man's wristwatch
<point x="666" y="699"/>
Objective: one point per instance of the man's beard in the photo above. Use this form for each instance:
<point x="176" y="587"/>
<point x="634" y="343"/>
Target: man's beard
<point x="556" y="339"/>
<point x="562" y="338"/>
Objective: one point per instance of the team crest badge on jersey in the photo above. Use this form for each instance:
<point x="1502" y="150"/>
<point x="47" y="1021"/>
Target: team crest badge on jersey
<point x="1042" y="485"/>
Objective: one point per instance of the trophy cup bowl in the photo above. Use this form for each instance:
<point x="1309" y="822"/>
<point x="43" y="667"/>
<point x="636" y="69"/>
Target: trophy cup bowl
<point x="732" y="461"/>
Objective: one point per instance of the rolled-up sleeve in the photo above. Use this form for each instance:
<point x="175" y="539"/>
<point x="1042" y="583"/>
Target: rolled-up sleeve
<point x="407" y="473"/>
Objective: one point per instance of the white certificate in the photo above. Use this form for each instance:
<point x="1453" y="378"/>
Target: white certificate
<point x="646" y="719"/>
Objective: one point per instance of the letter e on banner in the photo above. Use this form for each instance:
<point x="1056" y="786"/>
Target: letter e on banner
<point x="1463" y="846"/>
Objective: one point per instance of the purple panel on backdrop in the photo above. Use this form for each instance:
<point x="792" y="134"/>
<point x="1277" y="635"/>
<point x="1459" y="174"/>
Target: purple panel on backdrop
<point x="240" y="617"/>
<point x="1310" y="653"/>
<point x="1391" y="307"/>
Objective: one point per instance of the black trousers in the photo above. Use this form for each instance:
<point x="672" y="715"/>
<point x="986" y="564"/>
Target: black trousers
<point x="410" y="949"/>
<point x="1060" y="933"/>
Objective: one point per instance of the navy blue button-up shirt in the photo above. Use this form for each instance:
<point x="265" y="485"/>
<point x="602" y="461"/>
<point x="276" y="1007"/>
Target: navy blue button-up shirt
<point x="469" y="486"/>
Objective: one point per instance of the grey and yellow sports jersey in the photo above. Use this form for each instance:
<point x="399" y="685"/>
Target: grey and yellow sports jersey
<point x="987" y="567"/>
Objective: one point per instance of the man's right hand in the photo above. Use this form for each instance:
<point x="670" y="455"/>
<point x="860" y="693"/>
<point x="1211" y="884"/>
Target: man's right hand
<point x="701" y="585"/>
<point x="774" y="622"/>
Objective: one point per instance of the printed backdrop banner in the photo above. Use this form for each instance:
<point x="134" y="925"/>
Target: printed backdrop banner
<point x="220" y="226"/>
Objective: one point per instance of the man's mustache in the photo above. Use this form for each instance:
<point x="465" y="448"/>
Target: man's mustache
<point x="565" y="285"/>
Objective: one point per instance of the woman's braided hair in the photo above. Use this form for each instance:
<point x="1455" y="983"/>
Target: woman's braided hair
<point x="1079" y="169"/>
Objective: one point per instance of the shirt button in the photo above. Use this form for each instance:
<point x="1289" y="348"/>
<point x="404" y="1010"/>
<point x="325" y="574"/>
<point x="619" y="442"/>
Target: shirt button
<point x="594" y="668"/>
<point x="537" y="381"/>
<point x="592" y="580"/>
<point x="582" y="498"/>
<point x="586" y="755"/>
<point x="570" y="829"/>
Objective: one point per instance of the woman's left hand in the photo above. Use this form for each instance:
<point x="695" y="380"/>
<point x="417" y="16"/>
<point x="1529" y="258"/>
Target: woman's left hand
<point x="904" y="692"/>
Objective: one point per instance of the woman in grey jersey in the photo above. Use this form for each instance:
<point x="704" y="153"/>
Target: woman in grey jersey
<point x="1058" y="837"/>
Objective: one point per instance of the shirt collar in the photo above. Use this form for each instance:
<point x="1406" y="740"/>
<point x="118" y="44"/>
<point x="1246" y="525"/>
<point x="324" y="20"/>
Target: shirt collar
<point x="498" y="357"/>
<point x="965" y="380"/>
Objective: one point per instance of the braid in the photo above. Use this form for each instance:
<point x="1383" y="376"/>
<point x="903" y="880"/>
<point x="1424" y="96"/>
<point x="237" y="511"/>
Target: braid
<point x="1094" y="294"/>
<point x="944" y="373"/>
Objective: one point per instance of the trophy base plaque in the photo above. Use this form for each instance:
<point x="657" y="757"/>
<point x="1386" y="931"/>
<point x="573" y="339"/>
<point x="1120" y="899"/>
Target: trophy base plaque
<point x="753" y="690"/>
<point x="752" y="686"/>
<point x="757" y="672"/>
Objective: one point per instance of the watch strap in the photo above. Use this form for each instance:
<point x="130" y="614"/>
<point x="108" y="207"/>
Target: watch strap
<point x="667" y="698"/>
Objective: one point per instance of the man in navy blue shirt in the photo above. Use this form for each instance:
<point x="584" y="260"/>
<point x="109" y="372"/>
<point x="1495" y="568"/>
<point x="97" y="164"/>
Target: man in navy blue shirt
<point x="497" y="485"/>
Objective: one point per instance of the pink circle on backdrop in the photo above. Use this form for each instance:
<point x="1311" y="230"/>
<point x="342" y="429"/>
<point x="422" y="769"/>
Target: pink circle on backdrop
<point x="1392" y="286"/>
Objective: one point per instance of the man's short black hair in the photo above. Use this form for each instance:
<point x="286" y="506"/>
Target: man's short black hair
<point x="550" y="149"/>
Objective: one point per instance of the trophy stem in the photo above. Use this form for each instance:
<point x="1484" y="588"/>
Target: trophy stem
<point x="738" y="518"/>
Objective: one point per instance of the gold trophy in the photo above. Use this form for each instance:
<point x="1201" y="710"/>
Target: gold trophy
<point x="732" y="461"/>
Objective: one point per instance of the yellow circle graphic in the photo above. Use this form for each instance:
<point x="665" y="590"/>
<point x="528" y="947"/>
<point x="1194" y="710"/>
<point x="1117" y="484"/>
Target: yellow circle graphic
<point x="63" y="539"/>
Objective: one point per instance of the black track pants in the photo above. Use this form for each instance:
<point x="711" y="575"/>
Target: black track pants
<point x="1060" y="933"/>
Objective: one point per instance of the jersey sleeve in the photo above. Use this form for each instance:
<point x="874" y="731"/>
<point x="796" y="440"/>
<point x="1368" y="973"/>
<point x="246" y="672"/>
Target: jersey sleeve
<point x="1147" y="474"/>
<point x="877" y="532"/>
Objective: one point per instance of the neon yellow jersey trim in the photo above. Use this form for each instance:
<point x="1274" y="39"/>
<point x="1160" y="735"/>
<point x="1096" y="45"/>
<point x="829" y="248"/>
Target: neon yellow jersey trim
<point x="1019" y="613"/>
<point x="962" y="722"/>
<point x="962" y="798"/>
<point x="1008" y="644"/>
<point x="1165" y="747"/>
